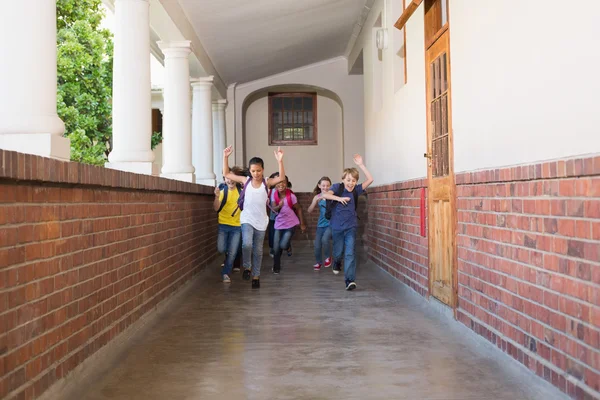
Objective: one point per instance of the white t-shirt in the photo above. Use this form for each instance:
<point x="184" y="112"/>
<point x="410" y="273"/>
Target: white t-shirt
<point x="255" y="207"/>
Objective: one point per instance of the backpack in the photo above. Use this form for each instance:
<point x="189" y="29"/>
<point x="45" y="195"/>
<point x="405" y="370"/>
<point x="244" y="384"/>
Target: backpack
<point x="243" y="195"/>
<point x="288" y="197"/>
<point x="330" y="204"/>
<point x="225" y="189"/>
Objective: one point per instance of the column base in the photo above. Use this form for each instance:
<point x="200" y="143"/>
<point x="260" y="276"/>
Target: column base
<point x="39" y="144"/>
<point x="144" y="168"/>
<point x="206" y="182"/>
<point x="185" y="177"/>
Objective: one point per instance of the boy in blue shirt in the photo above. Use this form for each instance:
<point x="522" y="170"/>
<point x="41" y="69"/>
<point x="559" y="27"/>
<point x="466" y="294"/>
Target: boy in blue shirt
<point x="344" y="220"/>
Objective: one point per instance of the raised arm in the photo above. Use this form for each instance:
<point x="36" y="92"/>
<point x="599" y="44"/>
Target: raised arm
<point x="226" y="172"/>
<point x="330" y="195"/>
<point x="279" y="157"/>
<point x="359" y="161"/>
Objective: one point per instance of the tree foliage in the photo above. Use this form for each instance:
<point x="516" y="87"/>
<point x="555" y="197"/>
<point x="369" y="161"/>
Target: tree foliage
<point x="85" y="52"/>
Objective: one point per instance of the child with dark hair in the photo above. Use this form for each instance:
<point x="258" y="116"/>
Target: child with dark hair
<point x="289" y="216"/>
<point x="344" y="220"/>
<point x="253" y="203"/>
<point x="323" y="235"/>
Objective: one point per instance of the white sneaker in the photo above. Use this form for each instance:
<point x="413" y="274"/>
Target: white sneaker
<point x="226" y="278"/>
<point x="351" y="286"/>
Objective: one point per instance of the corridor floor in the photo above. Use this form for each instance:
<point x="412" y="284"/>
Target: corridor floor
<point x="302" y="336"/>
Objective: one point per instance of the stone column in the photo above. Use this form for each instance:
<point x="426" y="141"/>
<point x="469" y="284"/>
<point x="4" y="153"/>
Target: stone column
<point x="131" y="102"/>
<point x="28" y="119"/>
<point x="177" y="131"/>
<point x="202" y="131"/>
<point x="217" y="161"/>
<point x="219" y="132"/>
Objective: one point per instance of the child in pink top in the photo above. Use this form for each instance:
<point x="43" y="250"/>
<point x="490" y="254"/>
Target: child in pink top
<point x="288" y="218"/>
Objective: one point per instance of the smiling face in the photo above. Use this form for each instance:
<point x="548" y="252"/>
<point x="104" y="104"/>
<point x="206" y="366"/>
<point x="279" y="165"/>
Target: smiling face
<point x="324" y="185"/>
<point x="256" y="170"/>
<point x="230" y="183"/>
<point x="281" y="186"/>
<point x="349" y="182"/>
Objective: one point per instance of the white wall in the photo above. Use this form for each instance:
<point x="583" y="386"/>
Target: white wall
<point x="522" y="86"/>
<point x="395" y="132"/>
<point x="304" y="165"/>
<point x="523" y="81"/>
<point x="331" y="75"/>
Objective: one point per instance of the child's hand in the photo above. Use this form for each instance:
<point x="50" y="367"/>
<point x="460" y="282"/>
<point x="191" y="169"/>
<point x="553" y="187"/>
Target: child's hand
<point x="278" y="154"/>
<point x="280" y="205"/>
<point x="358" y="160"/>
<point x="302" y="228"/>
<point x="344" y="200"/>
<point x="227" y="151"/>
<point x="217" y="191"/>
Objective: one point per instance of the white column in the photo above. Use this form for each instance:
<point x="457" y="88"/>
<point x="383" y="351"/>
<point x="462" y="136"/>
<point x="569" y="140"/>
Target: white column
<point x="177" y="130"/>
<point x="219" y="134"/>
<point x="202" y="131"/>
<point x="217" y="161"/>
<point x="131" y="102"/>
<point x="28" y="119"/>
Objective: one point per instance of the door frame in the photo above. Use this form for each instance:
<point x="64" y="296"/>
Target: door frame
<point x="444" y="30"/>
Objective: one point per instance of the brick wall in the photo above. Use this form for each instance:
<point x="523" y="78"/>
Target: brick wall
<point x="529" y="267"/>
<point x="84" y="253"/>
<point x="528" y="246"/>
<point x="394" y="233"/>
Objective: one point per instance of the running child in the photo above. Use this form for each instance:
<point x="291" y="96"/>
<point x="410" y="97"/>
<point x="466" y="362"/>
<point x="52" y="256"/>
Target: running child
<point x="253" y="203"/>
<point x="344" y="220"/>
<point x="323" y="235"/>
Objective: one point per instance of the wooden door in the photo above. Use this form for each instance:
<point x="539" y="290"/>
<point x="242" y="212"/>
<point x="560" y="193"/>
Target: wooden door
<point x="441" y="185"/>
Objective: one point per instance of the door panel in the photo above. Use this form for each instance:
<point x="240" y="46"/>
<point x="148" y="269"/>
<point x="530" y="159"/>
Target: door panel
<point x="441" y="185"/>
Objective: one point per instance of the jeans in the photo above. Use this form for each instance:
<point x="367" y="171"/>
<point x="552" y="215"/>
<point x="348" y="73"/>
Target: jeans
<point x="322" y="243"/>
<point x="281" y="241"/>
<point x="343" y="241"/>
<point x="271" y="229"/>
<point x="228" y="241"/>
<point x="252" y="248"/>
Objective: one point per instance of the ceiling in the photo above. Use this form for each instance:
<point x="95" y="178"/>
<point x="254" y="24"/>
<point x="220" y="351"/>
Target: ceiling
<point x="252" y="39"/>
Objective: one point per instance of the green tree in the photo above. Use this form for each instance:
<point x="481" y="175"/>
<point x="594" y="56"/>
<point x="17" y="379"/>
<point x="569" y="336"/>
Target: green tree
<point x="85" y="55"/>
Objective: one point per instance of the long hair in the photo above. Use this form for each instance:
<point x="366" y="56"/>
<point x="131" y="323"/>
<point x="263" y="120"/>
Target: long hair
<point x="317" y="189"/>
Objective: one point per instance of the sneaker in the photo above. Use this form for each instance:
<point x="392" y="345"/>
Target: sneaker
<point x="289" y="250"/>
<point x="226" y="278"/>
<point x="276" y="271"/>
<point x="255" y="283"/>
<point x="271" y="254"/>
<point x="328" y="262"/>
<point x="337" y="266"/>
<point x="246" y="274"/>
<point x="236" y="269"/>
<point x="317" y="267"/>
<point x="351" y="286"/>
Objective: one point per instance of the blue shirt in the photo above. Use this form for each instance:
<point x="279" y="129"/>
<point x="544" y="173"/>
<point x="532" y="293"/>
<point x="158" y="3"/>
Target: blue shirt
<point x="323" y="222"/>
<point x="344" y="216"/>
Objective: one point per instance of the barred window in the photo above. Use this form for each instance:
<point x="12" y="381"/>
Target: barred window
<point x="292" y="118"/>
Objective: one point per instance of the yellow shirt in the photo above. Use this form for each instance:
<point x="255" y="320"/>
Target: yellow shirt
<point x="225" y="217"/>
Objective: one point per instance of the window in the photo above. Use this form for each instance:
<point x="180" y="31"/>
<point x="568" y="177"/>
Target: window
<point x="436" y="20"/>
<point x="292" y="118"/>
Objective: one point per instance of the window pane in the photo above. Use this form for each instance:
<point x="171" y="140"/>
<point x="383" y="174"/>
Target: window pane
<point x="310" y="133"/>
<point x="444" y="12"/>
<point x="297" y="103"/>
<point x="287" y="103"/>
<point x="308" y="118"/>
<point x="276" y="103"/>
<point x="308" y="103"/>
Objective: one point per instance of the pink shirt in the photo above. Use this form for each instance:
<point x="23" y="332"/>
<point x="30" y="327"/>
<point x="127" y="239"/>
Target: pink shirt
<point x="287" y="218"/>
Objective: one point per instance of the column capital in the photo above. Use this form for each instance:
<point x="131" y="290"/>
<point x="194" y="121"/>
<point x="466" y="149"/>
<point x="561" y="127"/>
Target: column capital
<point x="205" y="81"/>
<point x="219" y="104"/>
<point x="175" y="49"/>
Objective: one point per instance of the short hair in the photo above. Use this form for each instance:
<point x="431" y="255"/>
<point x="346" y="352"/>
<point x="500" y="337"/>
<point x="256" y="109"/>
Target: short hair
<point x="239" y="171"/>
<point x="352" y="171"/>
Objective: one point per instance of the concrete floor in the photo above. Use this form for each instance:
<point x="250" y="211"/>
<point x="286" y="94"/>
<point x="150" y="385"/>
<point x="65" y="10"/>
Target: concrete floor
<point x="302" y="336"/>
